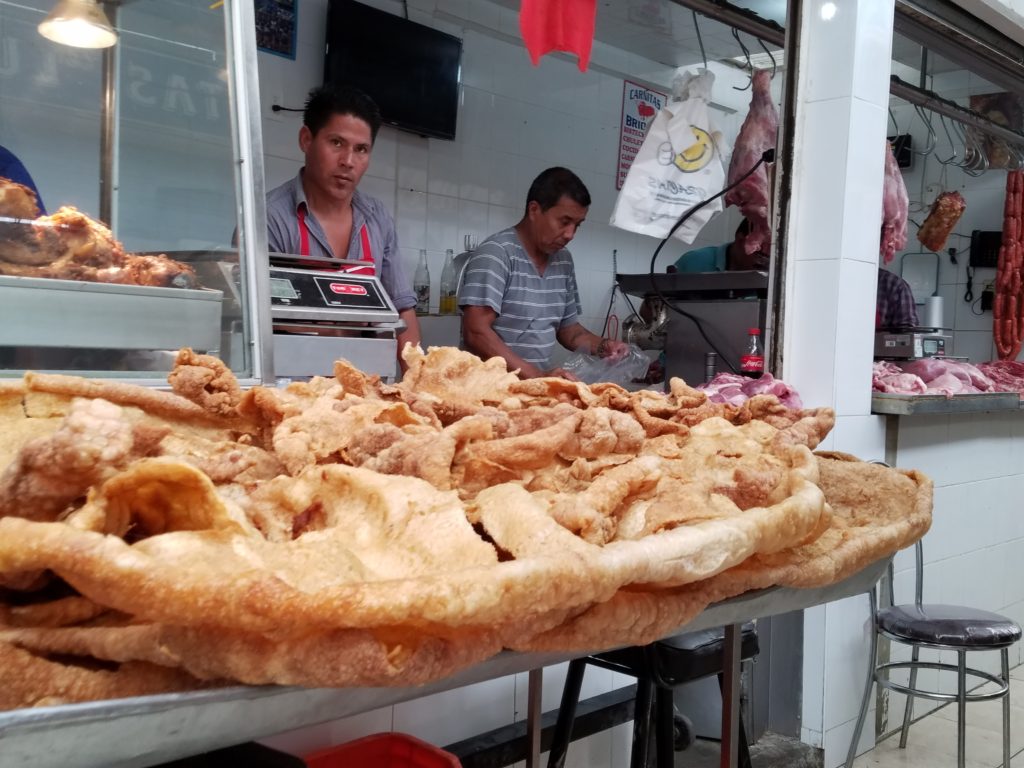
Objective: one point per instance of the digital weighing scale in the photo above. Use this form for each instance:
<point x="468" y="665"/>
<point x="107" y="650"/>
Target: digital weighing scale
<point x="323" y="314"/>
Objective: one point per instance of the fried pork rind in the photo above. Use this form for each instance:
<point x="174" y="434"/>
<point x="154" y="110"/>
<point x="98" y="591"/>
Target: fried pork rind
<point x="341" y="657"/>
<point x="32" y="680"/>
<point x="453" y="383"/>
<point x="207" y="382"/>
<point x="876" y="511"/>
<point x="342" y="531"/>
<point x="51" y="472"/>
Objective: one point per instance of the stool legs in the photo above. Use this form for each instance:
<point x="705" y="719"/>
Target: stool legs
<point x="961" y="709"/>
<point x="908" y="709"/>
<point x="642" y="722"/>
<point x="566" y="713"/>
<point x="663" y="729"/>
<point x="869" y="683"/>
<point x="1005" y="658"/>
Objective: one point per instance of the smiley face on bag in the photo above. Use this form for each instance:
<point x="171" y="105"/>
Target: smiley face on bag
<point x="698" y="154"/>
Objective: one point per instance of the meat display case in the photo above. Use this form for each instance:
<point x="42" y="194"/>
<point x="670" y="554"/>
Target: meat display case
<point x="158" y="138"/>
<point x="122" y="319"/>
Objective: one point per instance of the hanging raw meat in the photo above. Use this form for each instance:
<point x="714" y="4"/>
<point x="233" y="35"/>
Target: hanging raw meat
<point x="945" y="213"/>
<point x="1008" y="306"/>
<point x="895" y="207"/>
<point x="758" y="133"/>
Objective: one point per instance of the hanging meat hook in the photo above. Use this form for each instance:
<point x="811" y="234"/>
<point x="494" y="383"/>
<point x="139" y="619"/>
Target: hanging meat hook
<point x="932" y="139"/>
<point x="700" y="40"/>
<point x="746" y="55"/>
<point x="952" y="158"/>
<point x="770" y="56"/>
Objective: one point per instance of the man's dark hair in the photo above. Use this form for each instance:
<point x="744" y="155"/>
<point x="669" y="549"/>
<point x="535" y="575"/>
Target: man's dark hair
<point x="329" y="100"/>
<point x="548" y="188"/>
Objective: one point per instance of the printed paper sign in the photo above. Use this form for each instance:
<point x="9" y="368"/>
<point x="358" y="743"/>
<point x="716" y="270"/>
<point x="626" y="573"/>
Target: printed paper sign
<point x="639" y="106"/>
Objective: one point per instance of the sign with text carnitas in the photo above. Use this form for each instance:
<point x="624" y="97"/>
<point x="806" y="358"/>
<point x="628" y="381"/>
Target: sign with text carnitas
<point x="639" y="106"/>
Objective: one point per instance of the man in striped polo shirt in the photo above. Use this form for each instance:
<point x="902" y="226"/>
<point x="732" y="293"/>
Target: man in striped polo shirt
<point x="519" y="296"/>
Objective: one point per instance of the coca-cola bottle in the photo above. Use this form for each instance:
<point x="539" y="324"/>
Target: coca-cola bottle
<point x="752" y="360"/>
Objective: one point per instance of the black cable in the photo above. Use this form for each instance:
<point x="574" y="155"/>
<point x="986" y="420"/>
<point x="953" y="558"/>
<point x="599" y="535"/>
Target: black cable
<point x="279" y="108"/>
<point x="969" y="293"/>
<point x="768" y="156"/>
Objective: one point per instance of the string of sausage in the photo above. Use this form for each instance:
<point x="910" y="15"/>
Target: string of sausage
<point x="1008" y="306"/>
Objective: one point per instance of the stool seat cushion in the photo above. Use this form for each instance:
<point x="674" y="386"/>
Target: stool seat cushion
<point x="683" y="658"/>
<point x="953" y="625"/>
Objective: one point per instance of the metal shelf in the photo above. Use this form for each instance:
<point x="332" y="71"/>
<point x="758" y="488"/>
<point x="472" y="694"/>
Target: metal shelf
<point x="907" y="405"/>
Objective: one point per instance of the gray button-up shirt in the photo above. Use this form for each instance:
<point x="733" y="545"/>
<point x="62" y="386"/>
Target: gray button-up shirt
<point x="283" y="236"/>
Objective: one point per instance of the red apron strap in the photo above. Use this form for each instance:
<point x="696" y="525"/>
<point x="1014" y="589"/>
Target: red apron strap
<point x="303" y="231"/>
<point x="367" y="255"/>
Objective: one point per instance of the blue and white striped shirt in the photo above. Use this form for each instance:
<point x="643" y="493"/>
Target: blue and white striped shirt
<point x="531" y="307"/>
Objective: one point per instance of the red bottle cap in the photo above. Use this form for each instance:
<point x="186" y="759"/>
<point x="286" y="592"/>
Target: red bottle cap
<point x="754" y="331"/>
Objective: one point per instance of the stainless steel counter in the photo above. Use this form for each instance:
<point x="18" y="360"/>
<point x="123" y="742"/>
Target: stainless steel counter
<point x="144" y="731"/>
<point x="907" y="405"/>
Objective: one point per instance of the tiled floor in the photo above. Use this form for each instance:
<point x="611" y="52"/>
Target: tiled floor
<point x="932" y="741"/>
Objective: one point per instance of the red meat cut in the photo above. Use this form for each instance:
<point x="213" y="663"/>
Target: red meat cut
<point x="758" y="133"/>
<point x="895" y="208"/>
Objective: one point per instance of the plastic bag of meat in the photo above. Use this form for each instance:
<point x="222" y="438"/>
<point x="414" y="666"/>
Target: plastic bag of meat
<point x="678" y="166"/>
<point x="895" y="208"/>
<point x="945" y="213"/>
<point x="758" y="133"/>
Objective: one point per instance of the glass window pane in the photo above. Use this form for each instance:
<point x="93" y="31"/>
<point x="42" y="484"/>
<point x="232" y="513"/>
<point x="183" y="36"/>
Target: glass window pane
<point x="164" y="275"/>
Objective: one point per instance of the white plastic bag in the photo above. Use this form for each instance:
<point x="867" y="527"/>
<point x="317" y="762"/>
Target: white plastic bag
<point x="591" y="369"/>
<point x="678" y="166"/>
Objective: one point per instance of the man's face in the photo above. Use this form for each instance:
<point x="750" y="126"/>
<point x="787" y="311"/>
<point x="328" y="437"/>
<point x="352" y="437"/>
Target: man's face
<point x="337" y="156"/>
<point x="555" y="228"/>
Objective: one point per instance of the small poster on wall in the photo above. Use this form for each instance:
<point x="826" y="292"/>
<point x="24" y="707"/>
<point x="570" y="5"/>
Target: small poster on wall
<point x="276" y="22"/>
<point x="639" y="106"/>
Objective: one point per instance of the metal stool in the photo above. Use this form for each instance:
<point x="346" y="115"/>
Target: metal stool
<point x="658" y="668"/>
<point x="943" y="627"/>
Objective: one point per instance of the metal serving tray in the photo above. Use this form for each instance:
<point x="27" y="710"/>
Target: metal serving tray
<point x="145" y="731"/>
<point x="70" y="313"/>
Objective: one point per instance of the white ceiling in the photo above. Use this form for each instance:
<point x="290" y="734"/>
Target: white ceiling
<point x="663" y="31"/>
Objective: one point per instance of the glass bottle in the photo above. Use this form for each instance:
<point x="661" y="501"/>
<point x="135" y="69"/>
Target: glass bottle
<point x="449" y="284"/>
<point x="752" y="360"/>
<point x="421" y="284"/>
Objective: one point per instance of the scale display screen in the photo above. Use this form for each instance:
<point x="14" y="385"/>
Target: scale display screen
<point x="282" y="289"/>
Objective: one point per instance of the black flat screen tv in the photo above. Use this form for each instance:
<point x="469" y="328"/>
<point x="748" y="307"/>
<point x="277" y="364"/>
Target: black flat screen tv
<point x="410" y="70"/>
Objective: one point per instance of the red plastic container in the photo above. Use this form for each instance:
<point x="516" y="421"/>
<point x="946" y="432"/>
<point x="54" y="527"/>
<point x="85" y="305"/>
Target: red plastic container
<point x="383" y="750"/>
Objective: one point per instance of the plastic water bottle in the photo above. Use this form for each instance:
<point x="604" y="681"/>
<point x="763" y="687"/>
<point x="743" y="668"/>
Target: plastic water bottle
<point x="421" y="284"/>
<point x="752" y="360"/>
<point x="449" y="284"/>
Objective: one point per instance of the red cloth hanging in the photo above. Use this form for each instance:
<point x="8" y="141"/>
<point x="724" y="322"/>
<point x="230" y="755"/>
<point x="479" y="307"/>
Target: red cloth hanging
<point x="558" y="25"/>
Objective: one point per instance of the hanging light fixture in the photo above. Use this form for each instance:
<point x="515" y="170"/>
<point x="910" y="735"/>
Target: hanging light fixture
<point x="78" y="23"/>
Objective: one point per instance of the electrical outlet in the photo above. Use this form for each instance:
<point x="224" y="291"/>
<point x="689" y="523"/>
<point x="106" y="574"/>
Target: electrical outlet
<point x="273" y="96"/>
<point x="987" y="297"/>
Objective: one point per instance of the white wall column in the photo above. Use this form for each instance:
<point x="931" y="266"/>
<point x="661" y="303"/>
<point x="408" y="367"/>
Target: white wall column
<point x="832" y="250"/>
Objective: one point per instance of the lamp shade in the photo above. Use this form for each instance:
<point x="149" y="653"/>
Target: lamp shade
<point x="78" y="23"/>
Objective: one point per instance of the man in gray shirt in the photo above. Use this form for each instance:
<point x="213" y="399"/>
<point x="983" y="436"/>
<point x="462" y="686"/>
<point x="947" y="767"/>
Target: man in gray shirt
<point x="519" y="294"/>
<point x="321" y="213"/>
